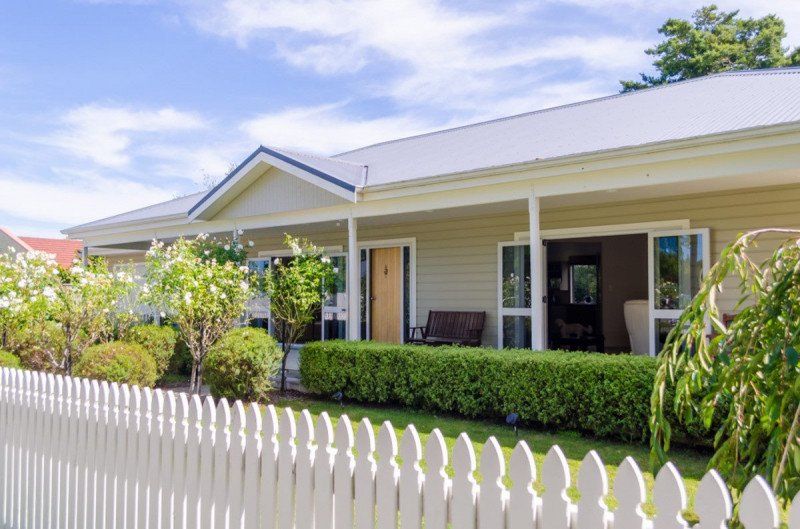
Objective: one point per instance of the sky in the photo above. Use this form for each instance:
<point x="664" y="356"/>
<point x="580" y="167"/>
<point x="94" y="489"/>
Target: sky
<point x="111" y="105"/>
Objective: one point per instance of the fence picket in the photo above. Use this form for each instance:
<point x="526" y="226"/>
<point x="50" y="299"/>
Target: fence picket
<point x="268" y="501"/>
<point x="208" y="421"/>
<point x="387" y="475"/>
<point x="712" y="502"/>
<point x="555" y="503"/>
<point x="323" y="473"/>
<point x="304" y="496"/>
<point x="194" y="435"/>
<point x="236" y="465"/>
<point x="167" y="442"/>
<point x="759" y="509"/>
<point x="179" y="504"/>
<point x="492" y="496"/>
<point x="286" y="458"/>
<point x="411" y="480"/>
<point x="465" y="489"/>
<point x="252" y="470"/>
<point x="669" y="497"/>
<point x="80" y="453"/>
<point x="343" y="467"/>
<point x="222" y="442"/>
<point x="437" y="483"/>
<point x="522" y="497"/>
<point x="593" y="487"/>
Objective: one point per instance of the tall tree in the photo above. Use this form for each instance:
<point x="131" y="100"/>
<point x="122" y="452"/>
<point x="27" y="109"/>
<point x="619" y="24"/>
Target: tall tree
<point x="715" y="41"/>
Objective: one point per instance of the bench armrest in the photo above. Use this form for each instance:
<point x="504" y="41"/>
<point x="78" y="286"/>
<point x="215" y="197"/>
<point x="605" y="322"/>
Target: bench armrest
<point x="422" y="330"/>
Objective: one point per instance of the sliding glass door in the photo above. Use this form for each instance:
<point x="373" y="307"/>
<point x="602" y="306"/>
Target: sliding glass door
<point x="678" y="261"/>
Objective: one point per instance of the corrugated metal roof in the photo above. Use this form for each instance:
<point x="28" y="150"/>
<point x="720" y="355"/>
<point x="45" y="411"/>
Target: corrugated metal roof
<point x="176" y="206"/>
<point x="346" y="171"/>
<point x="709" y="105"/>
<point x="719" y="103"/>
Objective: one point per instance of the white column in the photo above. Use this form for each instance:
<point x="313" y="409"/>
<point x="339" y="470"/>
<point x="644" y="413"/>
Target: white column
<point x="537" y="292"/>
<point x="353" y="282"/>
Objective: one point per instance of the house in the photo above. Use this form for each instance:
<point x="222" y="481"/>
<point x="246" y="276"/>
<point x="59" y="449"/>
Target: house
<point x="565" y="218"/>
<point x="64" y="250"/>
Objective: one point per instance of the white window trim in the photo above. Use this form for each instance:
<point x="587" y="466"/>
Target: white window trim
<point x="507" y="311"/>
<point x="670" y="314"/>
<point x="411" y="242"/>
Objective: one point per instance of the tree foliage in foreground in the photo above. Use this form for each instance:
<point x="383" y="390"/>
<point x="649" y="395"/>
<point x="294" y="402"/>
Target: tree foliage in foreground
<point x="202" y="296"/>
<point x="296" y="289"/>
<point x="715" y="41"/>
<point x="747" y="374"/>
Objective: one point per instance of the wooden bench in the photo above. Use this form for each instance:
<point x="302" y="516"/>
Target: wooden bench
<point x="449" y="328"/>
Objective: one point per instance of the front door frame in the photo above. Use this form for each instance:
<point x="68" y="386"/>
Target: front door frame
<point x="411" y="243"/>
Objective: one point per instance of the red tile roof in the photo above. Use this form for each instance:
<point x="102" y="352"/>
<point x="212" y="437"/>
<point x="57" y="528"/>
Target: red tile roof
<point x="64" y="250"/>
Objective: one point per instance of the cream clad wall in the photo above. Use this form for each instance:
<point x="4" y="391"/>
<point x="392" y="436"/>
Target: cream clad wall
<point x="457" y="259"/>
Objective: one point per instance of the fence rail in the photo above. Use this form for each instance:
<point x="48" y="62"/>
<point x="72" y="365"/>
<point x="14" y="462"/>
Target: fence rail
<point x="76" y="453"/>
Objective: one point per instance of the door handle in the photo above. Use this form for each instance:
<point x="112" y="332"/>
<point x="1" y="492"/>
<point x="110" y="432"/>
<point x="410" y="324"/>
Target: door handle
<point x="372" y="298"/>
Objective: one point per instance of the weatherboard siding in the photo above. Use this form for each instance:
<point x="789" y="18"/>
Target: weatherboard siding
<point x="277" y="191"/>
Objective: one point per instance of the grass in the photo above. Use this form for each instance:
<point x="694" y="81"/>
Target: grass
<point x="691" y="463"/>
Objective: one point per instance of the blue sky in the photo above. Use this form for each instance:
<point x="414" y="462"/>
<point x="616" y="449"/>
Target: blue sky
<point x="106" y="106"/>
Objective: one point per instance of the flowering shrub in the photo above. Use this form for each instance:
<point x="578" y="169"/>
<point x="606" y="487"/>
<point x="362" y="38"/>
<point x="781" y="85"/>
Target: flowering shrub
<point x="202" y="296"/>
<point x="82" y="301"/>
<point x="86" y="305"/>
<point x="223" y="250"/>
<point x="26" y="286"/>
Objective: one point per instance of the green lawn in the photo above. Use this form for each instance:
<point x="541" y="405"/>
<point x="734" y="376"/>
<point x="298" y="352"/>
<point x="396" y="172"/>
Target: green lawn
<point x="691" y="463"/>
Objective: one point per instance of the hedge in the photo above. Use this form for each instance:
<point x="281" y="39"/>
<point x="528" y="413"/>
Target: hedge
<point x="9" y="360"/>
<point x="122" y="362"/>
<point x="158" y="340"/>
<point x="604" y="395"/>
<point x="241" y="364"/>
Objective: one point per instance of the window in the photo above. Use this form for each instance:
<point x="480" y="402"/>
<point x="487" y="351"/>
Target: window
<point x="583" y="284"/>
<point x="514" y="295"/>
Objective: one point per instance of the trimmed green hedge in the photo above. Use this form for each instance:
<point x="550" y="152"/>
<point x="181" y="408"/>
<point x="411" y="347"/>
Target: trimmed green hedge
<point x="241" y="364"/>
<point x="158" y="340"/>
<point x="9" y="360"/>
<point x="122" y="362"/>
<point x="605" y="395"/>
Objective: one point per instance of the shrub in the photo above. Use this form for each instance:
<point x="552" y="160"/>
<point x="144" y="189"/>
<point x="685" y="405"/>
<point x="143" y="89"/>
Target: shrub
<point x="605" y="395"/>
<point x="118" y="362"/>
<point x="158" y="340"/>
<point x="241" y="363"/>
<point x="9" y="360"/>
<point x="34" y="344"/>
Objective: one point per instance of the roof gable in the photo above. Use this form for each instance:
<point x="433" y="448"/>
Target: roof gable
<point x="339" y="177"/>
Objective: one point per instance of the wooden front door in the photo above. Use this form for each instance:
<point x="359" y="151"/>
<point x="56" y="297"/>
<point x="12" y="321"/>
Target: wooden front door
<point x="386" y="284"/>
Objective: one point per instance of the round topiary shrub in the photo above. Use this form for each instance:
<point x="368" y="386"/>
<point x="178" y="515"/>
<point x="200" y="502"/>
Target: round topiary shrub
<point x="241" y="363"/>
<point x="120" y="362"/>
<point x="9" y="360"/>
<point x="158" y="340"/>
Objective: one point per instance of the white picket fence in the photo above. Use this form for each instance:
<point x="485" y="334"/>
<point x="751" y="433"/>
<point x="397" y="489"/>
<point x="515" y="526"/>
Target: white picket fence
<point x="76" y="453"/>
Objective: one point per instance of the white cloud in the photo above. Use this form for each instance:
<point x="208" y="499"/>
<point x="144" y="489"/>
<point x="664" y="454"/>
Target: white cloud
<point x="329" y="129"/>
<point x="76" y="197"/>
<point x="445" y="57"/>
<point x="105" y="134"/>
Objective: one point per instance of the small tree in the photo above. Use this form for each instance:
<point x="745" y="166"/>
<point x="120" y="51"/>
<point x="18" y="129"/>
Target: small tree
<point x="86" y="303"/>
<point x="201" y="295"/>
<point x="747" y="374"/>
<point x="296" y="290"/>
